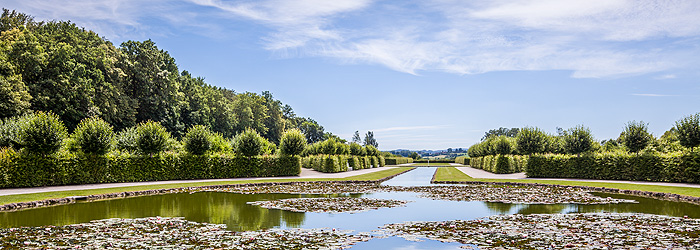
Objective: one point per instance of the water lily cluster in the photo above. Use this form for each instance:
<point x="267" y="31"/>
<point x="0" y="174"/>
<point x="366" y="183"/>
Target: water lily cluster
<point x="169" y="233"/>
<point x="559" y="231"/>
<point x="329" y="205"/>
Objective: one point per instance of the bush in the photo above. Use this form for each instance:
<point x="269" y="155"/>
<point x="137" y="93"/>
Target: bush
<point x="636" y="137"/>
<point x="127" y="140"/>
<point x="9" y="131"/>
<point x="354" y="163"/>
<point x="398" y="160"/>
<point x="578" y="140"/>
<point x="42" y="133"/>
<point x="356" y="149"/>
<point x="464" y="160"/>
<point x="371" y="150"/>
<point x="504" y="145"/>
<point x="93" y="136"/>
<point x="151" y="138"/>
<point x="500" y="164"/>
<point x="688" y="130"/>
<point x="198" y="140"/>
<point x="531" y="140"/>
<point x="293" y="142"/>
<point x="249" y="143"/>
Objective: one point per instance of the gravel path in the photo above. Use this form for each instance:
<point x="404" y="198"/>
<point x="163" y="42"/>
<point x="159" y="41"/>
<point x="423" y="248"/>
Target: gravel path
<point x="478" y="173"/>
<point x="305" y="174"/>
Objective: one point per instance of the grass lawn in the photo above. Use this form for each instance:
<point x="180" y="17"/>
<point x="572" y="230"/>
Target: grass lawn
<point x="7" y="199"/>
<point x="452" y="174"/>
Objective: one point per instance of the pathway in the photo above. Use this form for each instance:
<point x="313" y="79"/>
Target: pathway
<point x="305" y="174"/>
<point x="478" y="173"/>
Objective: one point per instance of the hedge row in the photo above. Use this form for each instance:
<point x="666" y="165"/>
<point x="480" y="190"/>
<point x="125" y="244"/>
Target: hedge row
<point x="398" y="160"/>
<point x="611" y="166"/>
<point x="341" y="163"/>
<point x="434" y="161"/>
<point x="462" y="160"/>
<point x="500" y="164"/>
<point x="28" y="170"/>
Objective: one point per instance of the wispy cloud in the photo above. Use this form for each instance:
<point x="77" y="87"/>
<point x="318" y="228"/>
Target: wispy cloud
<point x="590" y="38"/>
<point x="654" y="95"/>
<point x="666" y="77"/>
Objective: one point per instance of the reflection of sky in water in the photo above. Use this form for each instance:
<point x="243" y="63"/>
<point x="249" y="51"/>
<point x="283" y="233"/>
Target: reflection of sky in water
<point x="232" y="210"/>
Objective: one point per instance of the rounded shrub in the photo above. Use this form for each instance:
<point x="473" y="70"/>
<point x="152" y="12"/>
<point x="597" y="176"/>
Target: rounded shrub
<point x="42" y="133"/>
<point x="293" y="142"/>
<point x="531" y="140"/>
<point x="198" y="140"/>
<point x="93" y="136"/>
<point x="578" y="140"/>
<point x="9" y="131"/>
<point x="151" y="138"/>
<point x="371" y="150"/>
<point x="688" y="130"/>
<point x="504" y="145"/>
<point x="249" y="143"/>
<point x="356" y="149"/>
<point x="636" y="136"/>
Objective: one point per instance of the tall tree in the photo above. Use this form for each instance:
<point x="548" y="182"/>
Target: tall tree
<point x="356" y="137"/>
<point x="510" y="132"/>
<point x="637" y="136"/>
<point x="369" y="140"/>
<point x="688" y="131"/>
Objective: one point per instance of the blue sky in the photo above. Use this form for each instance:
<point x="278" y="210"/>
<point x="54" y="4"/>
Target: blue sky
<point x="427" y="74"/>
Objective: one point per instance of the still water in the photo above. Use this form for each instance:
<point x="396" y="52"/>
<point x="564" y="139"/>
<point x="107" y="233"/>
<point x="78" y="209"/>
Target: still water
<point x="231" y="209"/>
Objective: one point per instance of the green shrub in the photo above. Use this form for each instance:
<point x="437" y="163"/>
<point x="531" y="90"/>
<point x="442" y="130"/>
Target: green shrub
<point x="357" y="149"/>
<point x="371" y="150"/>
<point x="151" y="138"/>
<point x="636" y="137"/>
<point x="127" y="139"/>
<point x="93" y="136"/>
<point x="504" y="145"/>
<point x="354" y="163"/>
<point x="578" y="140"/>
<point x="398" y="160"/>
<point x="530" y="140"/>
<point x="382" y="161"/>
<point x="9" y="131"/>
<point x="375" y="161"/>
<point x="198" y="140"/>
<point x="293" y="142"/>
<point x="219" y="144"/>
<point x="249" y="143"/>
<point x="500" y="164"/>
<point x="688" y="130"/>
<point x="464" y="160"/>
<point x="42" y="133"/>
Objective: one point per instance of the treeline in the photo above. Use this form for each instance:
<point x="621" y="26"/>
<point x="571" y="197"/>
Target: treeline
<point x="574" y="153"/>
<point x="59" y="67"/>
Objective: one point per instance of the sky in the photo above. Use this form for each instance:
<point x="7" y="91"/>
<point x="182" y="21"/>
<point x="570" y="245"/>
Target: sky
<point x="427" y="74"/>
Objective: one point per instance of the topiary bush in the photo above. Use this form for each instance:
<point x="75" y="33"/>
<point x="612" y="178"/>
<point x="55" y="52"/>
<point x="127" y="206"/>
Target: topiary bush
<point x="530" y="140"/>
<point x="198" y="140"/>
<point x="356" y="149"/>
<point x="636" y="136"/>
<point x="93" y="136"/>
<point x="578" y="140"/>
<point x="249" y="143"/>
<point x="42" y="133"/>
<point x="293" y="142"/>
<point x="371" y="150"/>
<point x="151" y="138"/>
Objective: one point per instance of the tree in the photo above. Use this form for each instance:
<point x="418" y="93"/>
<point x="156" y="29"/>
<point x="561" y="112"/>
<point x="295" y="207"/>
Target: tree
<point x="293" y="142"/>
<point x="151" y="138"/>
<point x="512" y="132"/>
<point x="531" y="140"/>
<point x="637" y="136"/>
<point x="312" y="130"/>
<point x="356" y="137"/>
<point x="503" y="145"/>
<point x="249" y="143"/>
<point x="578" y="140"/>
<point x="356" y="149"/>
<point x="94" y="136"/>
<point x="42" y="133"/>
<point x="414" y="156"/>
<point x="198" y="140"/>
<point x="369" y="140"/>
<point x="688" y="131"/>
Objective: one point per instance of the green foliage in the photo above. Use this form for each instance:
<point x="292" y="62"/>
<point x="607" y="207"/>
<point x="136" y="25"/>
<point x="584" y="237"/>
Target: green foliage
<point x="636" y="137"/>
<point x="249" y="143"/>
<point x="42" y="133"/>
<point x="512" y="132"/>
<point x="127" y="140"/>
<point x="151" y="138"/>
<point x="293" y="142"/>
<point x="354" y="163"/>
<point x="462" y="160"/>
<point x="371" y="150"/>
<point x="370" y="141"/>
<point x="618" y="166"/>
<point x="9" y="131"/>
<point x="531" y="140"/>
<point x="398" y="160"/>
<point x="356" y="149"/>
<point x="93" y="136"/>
<point x="500" y="164"/>
<point x="688" y="131"/>
<point x="504" y="145"/>
<point x="198" y="140"/>
<point x="578" y="140"/>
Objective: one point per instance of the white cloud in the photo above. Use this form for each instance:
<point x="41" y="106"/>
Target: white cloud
<point x="653" y="95"/>
<point x="666" y="77"/>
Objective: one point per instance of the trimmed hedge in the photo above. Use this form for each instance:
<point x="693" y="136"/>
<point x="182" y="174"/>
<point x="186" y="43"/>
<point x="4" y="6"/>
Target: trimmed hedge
<point x="28" y="170"/>
<point x="618" y="166"/>
<point x="397" y="160"/>
<point x="500" y="164"/>
<point x="462" y="160"/>
<point x="434" y="161"/>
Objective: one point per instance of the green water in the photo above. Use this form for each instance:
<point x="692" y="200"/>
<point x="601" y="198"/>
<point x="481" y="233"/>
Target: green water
<point x="232" y="210"/>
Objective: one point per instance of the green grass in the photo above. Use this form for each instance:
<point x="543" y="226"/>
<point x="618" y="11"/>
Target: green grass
<point x="7" y="199"/>
<point x="452" y="174"/>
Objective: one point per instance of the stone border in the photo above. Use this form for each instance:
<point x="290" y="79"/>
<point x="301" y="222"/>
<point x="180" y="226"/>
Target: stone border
<point x="650" y="194"/>
<point x="96" y="197"/>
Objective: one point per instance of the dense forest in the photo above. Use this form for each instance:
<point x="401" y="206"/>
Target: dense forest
<point x="59" y="67"/>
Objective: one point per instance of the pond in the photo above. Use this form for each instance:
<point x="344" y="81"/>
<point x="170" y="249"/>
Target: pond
<point x="233" y="210"/>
